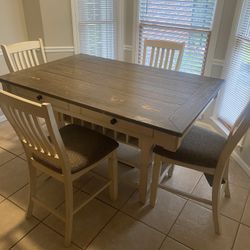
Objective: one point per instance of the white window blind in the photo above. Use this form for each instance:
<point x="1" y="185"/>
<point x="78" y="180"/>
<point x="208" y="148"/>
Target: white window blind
<point x="188" y="21"/>
<point x="98" y="27"/>
<point x="237" y="87"/>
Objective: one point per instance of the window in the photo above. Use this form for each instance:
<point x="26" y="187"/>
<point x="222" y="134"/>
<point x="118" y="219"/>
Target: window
<point x="97" y="27"/>
<point x="188" y="21"/>
<point x="236" y="94"/>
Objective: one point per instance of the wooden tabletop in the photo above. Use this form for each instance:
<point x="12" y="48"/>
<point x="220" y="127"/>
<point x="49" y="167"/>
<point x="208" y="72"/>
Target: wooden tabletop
<point x="164" y="100"/>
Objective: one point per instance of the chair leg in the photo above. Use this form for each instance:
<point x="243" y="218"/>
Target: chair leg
<point x="32" y="190"/>
<point x="155" y="179"/>
<point x="216" y="205"/>
<point x="226" y="177"/>
<point x="171" y="170"/>
<point x="68" y="212"/>
<point x="113" y="175"/>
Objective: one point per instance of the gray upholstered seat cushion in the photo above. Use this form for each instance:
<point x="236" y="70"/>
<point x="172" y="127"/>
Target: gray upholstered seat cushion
<point x="84" y="147"/>
<point x="200" y="147"/>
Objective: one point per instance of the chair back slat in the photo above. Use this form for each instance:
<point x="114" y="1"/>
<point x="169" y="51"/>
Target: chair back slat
<point x="23" y="55"/>
<point x="35" y="57"/>
<point x="35" y="135"/>
<point x="162" y="57"/>
<point x="166" y="58"/>
<point x="17" y="62"/>
<point x="47" y="147"/>
<point x="152" y="56"/>
<point x="171" y="60"/>
<point x="156" y="57"/>
<point x="36" y="127"/>
<point x="26" y="59"/>
<point x="163" y="54"/>
<point x="31" y="58"/>
<point x="21" y="59"/>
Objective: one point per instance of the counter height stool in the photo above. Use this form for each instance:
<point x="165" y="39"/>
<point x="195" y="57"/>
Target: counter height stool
<point x="163" y="54"/>
<point x="207" y="152"/>
<point x="23" y="55"/>
<point x="64" y="154"/>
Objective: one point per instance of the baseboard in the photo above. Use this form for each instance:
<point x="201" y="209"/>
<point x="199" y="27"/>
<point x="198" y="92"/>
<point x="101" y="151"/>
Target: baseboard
<point x="60" y="49"/>
<point x="55" y="49"/>
<point x="128" y="48"/>
<point x="241" y="163"/>
<point x="218" y="62"/>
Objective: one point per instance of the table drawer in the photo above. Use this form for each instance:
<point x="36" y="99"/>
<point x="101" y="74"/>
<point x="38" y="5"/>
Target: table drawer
<point x="37" y="97"/>
<point x="110" y="122"/>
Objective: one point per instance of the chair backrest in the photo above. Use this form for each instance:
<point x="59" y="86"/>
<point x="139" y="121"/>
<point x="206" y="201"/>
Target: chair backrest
<point x="36" y="127"/>
<point x="239" y="129"/>
<point x="163" y="54"/>
<point x="19" y="56"/>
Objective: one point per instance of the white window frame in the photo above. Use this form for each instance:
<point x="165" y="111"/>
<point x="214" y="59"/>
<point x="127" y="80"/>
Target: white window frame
<point x="212" y="42"/>
<point x="120" y="34"/>
<point x="228" y="60"/>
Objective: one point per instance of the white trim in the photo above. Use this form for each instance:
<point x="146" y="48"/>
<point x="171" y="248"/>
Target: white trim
<point x="227" y="60"/>
<point x="229" y="52"/>
<point x="55" y="49"/>
<point x="75" y="25"/>
<point x="234" y="28"/>
<point x="214" y="35"/>
<point x="120" y="35"/>
<point x="241" y="163"/>
<point x="135" y="38"/>
<point x="218" y="62"/>
<point x="59" y="49"/>
<point x="212" y="43"/>
<point x="121" y="30"/>
<point x="128" y="48"/>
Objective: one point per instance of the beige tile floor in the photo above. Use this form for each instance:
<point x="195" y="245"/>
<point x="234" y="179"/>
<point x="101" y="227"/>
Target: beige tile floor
<point x="174" y="224"/>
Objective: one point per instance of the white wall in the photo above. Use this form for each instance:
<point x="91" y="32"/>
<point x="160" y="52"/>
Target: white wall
<point x="57" y="24"/>
<point x="12" y="26"/>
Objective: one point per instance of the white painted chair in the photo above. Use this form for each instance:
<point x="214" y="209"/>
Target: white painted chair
<point x="23" y="55"/>
<point x="64" y="154"/>
<point x="163" y="54"/>
<point x="207" y="152"/>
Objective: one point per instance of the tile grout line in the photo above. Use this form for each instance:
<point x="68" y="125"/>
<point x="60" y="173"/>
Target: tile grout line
<point x="224" y="215"/>
<point x="99" y="232"/>
<point x="26" y="184"/>
<point x="42" y="221"/>
<point x="48" y="226"/>
<point x="239" y="186"/>
<point x="12" y="152"/>
<point x="1" y="165"/>
<point x="117" y="211"/>
<point x="39" y="222"/>
<point x="179" y="242"/>
<point x="52" y="229"/>
<point x="187" y="200"/>
<point x="240" y="221"/>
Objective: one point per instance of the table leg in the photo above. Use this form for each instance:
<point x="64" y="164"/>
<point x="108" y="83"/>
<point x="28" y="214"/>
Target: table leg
<point x="59" y="119"/>
<point x="145" y="160"/>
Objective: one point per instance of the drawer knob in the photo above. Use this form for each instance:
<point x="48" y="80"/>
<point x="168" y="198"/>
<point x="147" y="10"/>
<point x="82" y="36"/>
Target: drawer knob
<point x="39" y="97"/>
<point x="113" y="121"/>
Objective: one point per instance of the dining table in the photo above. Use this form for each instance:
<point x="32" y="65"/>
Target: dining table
<point x="138" y="105"/>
